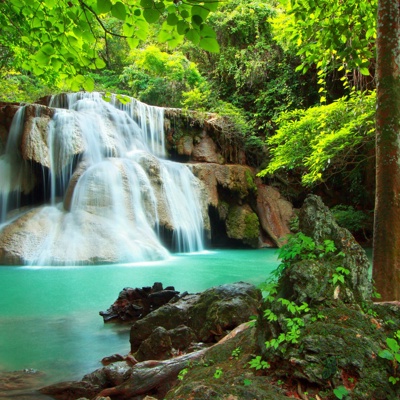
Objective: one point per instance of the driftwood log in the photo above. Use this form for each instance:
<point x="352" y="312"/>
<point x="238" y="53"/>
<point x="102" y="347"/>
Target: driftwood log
<point x="147" y="376"/>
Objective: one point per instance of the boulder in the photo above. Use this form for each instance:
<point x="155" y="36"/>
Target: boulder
<point x="209" y="315"/>
<point x="242" y="223"/>
<point x="133" y="304"/>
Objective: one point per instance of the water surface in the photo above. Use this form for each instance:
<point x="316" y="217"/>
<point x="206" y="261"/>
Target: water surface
<point x="49" y="315"/>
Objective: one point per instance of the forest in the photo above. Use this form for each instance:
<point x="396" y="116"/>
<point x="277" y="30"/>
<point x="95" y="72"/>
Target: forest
<point x="309" y="92"/>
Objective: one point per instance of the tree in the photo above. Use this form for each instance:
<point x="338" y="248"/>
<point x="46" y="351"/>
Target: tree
<point x="336" y="37"/>
<point x="63" y="39"/>
<point x="386" y="254"/>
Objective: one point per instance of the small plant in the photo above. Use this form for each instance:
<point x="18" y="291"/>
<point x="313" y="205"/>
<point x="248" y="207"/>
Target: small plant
<point x="236" y="353"/>
<point x="340" y="392"/>
<point x="279" y="382"/>
<point x="258" y="363"/>
<point x="339" y="275"/>
<point x="247" y="382"/>
<point x="392" y="353"/>
<point x="218" y="373"/>
<point x="182" y="373"/>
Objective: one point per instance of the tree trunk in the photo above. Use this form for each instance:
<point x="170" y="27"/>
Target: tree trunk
<point x="386" y="255"/>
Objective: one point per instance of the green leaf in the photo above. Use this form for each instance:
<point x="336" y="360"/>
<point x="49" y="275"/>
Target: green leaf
<point x="184" y="14"/>
<point x="99" y="63"/>
<point x="42" y="58"/>
<point x="182" y="27"/>
<point x="128" y="29"/>
<point x="151" y="15"/>
<point x="209" y="44"/>
<point x="340" y="392"/>
<point x="132" y="42"/>
<point x="364" y="71"/>
<point x="48" y="49"/>
<point x="118" y="10"/>
<point x="88" y="84"/>
<point x="200" y="11"/>
<point x="211" y="5"/>
<point x="392" y="344"/>
<point x="386" y="354"/>
<point x="103" y="6"/>
<point x="193" y="36"/>
<point x="196" y="19"/>
<point x="207" y="31"/>
<point x="146" y="3"/>
<point x="56" y="63"/>
<point x="172" y="19"/>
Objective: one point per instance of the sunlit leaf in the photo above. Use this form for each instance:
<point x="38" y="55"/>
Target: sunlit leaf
<point x="103" y="6"/>
<point x="118" y="10"/>
<point x="132" y="42"/>
<point x="100" y="63"/>
<point x="88" y="84"/>
<point x="209" y="44"/>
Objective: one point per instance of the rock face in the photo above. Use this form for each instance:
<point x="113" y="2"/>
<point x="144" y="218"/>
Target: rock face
<point x="321" y="327"/>
<point x="275" y="213"/>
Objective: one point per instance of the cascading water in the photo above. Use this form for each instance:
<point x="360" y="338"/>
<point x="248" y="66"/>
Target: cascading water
<point x="109" y="192"/>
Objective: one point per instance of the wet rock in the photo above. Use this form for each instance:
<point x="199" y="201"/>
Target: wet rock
<point x="71" y="390"/>
<point x="209" y="315"/>
<point x="133" y="304"/>
<point x="22" y="379"/>
<point x="157" y="346"/>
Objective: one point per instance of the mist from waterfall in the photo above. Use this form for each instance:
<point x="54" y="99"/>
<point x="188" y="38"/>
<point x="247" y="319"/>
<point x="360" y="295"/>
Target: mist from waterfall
<point x="109" y="191"/>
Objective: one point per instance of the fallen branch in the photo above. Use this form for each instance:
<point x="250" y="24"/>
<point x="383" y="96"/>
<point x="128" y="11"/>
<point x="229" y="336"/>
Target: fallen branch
<point x="149" y="375"/>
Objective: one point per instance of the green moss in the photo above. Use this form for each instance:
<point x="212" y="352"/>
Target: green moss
<point x="252" y="226"/>
<point x="250" y="182"/>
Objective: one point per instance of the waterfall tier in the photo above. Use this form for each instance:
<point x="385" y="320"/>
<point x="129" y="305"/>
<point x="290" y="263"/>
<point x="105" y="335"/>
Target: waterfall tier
<point x="95" y="186"/>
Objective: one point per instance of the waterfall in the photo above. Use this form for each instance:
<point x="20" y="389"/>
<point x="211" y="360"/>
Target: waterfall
<point x="13" y="169"/>
<point x="110" y="194"/>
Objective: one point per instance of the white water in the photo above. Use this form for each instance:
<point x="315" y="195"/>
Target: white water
<point x="108" y="189"/>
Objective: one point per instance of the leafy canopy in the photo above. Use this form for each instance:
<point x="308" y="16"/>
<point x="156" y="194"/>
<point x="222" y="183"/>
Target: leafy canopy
<point x="331" y="34"/>
<point x="160" y="78"/>
<point x="62" y="39"/>
<point x="325" y="140"/>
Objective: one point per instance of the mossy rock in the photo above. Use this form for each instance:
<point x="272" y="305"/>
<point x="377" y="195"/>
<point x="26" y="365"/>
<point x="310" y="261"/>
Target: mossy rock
<point x="221" y="376"/>
<point x="242" y="223"/>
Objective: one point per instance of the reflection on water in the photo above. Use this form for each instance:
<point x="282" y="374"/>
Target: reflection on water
<point x="49" y="317"/>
